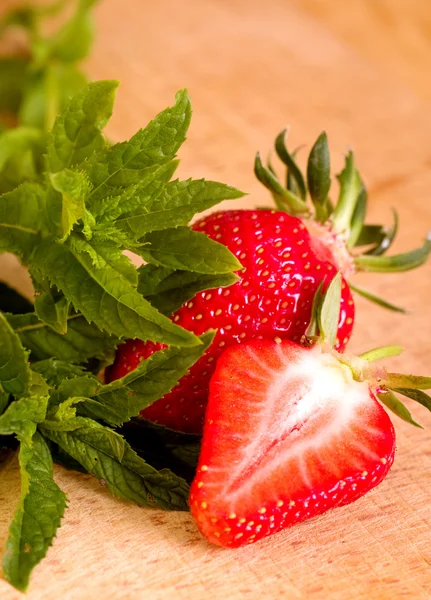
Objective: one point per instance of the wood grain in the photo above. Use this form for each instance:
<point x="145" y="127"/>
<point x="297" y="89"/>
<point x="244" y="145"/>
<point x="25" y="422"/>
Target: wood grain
<point x="251" y="68"/>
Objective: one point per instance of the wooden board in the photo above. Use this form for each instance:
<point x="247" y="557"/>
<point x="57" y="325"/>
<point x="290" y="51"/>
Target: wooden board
<point x="251" y="68"/>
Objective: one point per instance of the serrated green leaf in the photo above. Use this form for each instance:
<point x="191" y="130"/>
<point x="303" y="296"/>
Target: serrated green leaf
<point x="82" y="341"/>
<point x="53" y="312"/>
<point x="104" y="295"/>
<point x="4" y="401"/>
<point x="74" y="188"/>
<point x="14" y="369"/>
<point x="125" y="198"/>
<point x="22" y="219"/>
<point x="152" y="379"/>
<point x="73" y="41"/>
<point x="56" y="371"/>
<point x="122" y="164"/>
<point x="38" y="515"/>
<point x="22" y="415"/>
<point x="131" y="477"/>
<point x="397" y="407"/>
<point x="175" y="206"/>
<point x="12" y="301"/>
<point x="416" y="395"/>
<point x="77" y="130"/>
<point x="187" y="250"/>
<point x="168" y="289"/>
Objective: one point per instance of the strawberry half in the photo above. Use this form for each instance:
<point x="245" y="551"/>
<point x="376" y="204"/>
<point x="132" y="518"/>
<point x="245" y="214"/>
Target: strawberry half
<point x="285" y="258"/>
<point x="292" y="431"/>
<point x="288" y="435"/>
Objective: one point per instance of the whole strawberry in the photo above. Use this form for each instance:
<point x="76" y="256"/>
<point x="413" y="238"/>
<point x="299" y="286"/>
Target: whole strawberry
<point x="292" y="431"/>
<point x="285" y="258"/>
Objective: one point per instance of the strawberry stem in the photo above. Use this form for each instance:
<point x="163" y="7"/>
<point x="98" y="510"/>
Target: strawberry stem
<point x="397" y="263"/>
<point x="376" y="299"/>
<point x="350" y="188"/>
<point x="382" y="352"/>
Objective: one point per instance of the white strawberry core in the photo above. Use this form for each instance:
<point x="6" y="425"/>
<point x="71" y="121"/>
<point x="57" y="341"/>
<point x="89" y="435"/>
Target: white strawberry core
<point x="307" y="408"/>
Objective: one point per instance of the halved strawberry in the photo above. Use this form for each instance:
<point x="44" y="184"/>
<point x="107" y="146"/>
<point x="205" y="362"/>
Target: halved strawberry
<point x="288" y="434"/>
<point x="292" y="431"/>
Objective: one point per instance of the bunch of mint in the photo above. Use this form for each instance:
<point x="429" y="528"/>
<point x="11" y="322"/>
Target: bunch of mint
<point x="70" y="205"/>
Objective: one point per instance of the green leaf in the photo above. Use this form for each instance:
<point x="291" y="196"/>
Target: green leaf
<point x="387" y="240"/>
<point x="357" y="227"/>
<point x="21" y="415"/>
<point x="73" y="41"/>
<point x="4" y="401"/>
<point x="122" y="197"/>
<point x="74" y="187"/>
<point x="103" y="293"/>
<point x="397" y="407"/>
<point x="393" y="264"/>
<point x="319" y="175"/>
<point x="417" y="382"/>
<point x="370" y="234"/>
<point x="38" y="515"/>
<point x="53" y="312"/>
<point x="329" y="312"/>
<point x="167" y="289"/>
<point x="187" y="250"/>
<point x="14" y="369"/>
<point x="154" y="377"/>
<point x="289" y="161"/>
<point x="21" y="156"/>
<point x="350" y="189"/>
<point x="82" y="341"/>
<point x="376" y="299"/>
<point x="416" y="395"/>
<point x="22" y="219"/>
<point x="128" y="476"/>
<point x="175" y="206"/>
<point x="13" y="73"/>
<point x="12" y="301"/>
<point x="56" y="371"/>
<point x="77" y="130"/>
<point x="158" y="143"/>
<point x="380" y="353"/>
<point x="293" y="203"/>
<point x="163" y="447"/>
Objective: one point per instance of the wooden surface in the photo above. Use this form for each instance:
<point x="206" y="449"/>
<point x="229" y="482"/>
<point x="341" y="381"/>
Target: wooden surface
<point x="360" y="70"/>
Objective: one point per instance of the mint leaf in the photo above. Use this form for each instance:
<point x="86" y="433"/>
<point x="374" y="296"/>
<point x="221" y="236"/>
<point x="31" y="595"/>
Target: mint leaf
<point x="4" y="401"/>
<point x="22" y="219"/>
<point x="38" y="515"/>
<point x="158" y="143"/>
<point x="183" y="248"/>
<point x="73" y="41"/>
<point x="21" y="151"/>
<point x="53" y="312"/>
<point x="14" y="369"/>
<point x="154" y="377"/>
<point x="56" y="371"/>
<point x="74" y="188"/>
<point x="103" y="294"/>
<point x="168" y="289"/>
<point x="125" y="474"/>
<point x="176" y="205"/>
<point x="82" y="341"/>
<point x="77" y="130"/>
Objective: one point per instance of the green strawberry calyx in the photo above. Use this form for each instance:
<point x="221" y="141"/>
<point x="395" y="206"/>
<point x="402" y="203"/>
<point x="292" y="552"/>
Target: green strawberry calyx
<point x="387" y="386"/>
<point x="340" y="226"/>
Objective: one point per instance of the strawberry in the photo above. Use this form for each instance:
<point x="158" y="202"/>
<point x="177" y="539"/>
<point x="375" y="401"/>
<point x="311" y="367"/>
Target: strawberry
<point x="290" y="432"/>
<point x="284" y="258"/>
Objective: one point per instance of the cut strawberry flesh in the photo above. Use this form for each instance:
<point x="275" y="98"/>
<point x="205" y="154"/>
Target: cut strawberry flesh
<point x="288" y="434"/>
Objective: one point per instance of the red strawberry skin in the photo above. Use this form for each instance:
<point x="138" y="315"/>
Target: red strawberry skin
<point x="288" y="435"/>
<point x="283" y="267"/>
